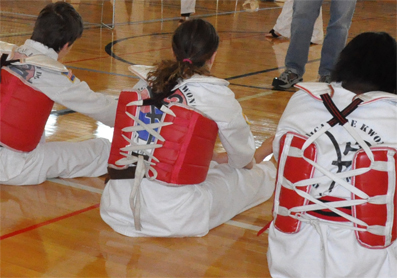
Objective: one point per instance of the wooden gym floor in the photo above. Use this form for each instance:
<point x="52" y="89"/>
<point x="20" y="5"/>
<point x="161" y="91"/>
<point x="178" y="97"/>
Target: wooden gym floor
<point x="54" y="229"/>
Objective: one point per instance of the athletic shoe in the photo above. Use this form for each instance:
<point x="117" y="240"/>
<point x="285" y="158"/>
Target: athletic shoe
<point x="286" y="80"/>
<point x="325" y="79"/>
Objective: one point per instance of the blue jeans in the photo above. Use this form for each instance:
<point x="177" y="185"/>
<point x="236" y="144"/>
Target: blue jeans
<point x="304" y="15"/>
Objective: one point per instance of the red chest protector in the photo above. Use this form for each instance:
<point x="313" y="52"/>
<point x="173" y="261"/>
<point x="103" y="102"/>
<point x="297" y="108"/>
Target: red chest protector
<point x="373" y="186"/>
<point x="23" y="112"/>
<point x="177" y="146"/>
<point x="377" y="217"/>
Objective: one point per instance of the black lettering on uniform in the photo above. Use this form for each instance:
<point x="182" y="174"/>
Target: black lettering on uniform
<point x="377" y="139"/>
<point x="315" y="130"/>
<point x="371" y="132"/>
<point x="364" y="128"/>
<point x="185" y="89"/>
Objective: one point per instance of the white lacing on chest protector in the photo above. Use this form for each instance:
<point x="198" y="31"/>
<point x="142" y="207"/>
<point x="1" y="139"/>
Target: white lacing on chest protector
<point x="142" y="166"/>
<point x="297" y="212"/>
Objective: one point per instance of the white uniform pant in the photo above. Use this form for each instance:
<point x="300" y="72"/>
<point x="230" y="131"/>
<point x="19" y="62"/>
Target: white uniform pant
<point x="190" y="210"/>
<point x="188" y="6"/>
<point x="327" y="251"/>
<point x="54" y="159"/>
<point x="283" y="23"/>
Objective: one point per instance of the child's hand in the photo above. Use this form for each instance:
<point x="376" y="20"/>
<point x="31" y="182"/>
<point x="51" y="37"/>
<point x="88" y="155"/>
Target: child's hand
<point x="264" y="150"/>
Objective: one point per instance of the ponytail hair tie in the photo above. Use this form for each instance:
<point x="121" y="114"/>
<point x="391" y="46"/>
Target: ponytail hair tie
<point x="187" y="60"/>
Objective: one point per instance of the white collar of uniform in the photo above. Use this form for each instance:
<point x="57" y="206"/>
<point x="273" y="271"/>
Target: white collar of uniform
<point x="7" y="48"/>
<point x="46" y="58"/>
<point x="42" y="48"/>
<point x="141" y="70"/>
<point x="371" y="97"/>
<point x="202" y="79"/>
<point x="316" y="89"/>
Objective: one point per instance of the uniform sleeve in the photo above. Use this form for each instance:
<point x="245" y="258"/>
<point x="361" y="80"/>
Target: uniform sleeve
<point x="69" y="91"/>
<point x="238" y="141"/>
<point x="219" y="104"/>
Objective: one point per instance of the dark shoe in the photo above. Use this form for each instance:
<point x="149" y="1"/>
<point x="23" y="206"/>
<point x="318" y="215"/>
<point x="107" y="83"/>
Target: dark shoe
<point x="286" y="80"/>
<point x="272" y="34"/>
<point x="184" y="17"/>
<point x="325" y="79"/>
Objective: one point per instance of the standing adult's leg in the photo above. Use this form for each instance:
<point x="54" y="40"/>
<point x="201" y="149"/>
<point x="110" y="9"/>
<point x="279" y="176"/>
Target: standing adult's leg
<point x="341" y="14"/>
<point x="283" y="24"/>
<point x="303" y="19"/>
<point x="305" y="13"/>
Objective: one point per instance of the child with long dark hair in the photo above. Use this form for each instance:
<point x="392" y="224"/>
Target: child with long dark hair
<point x="149" y="194"/>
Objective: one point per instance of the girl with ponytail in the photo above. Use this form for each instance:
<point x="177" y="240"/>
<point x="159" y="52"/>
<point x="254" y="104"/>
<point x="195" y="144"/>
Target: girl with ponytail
<point x="231" y="183"/>
<point x="194" y="44"/>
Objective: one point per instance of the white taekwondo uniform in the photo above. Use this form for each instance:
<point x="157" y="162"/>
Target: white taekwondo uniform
<point x="321" y="248"/>
<point x="58" y="159"/>
<point x="192" y="210"/>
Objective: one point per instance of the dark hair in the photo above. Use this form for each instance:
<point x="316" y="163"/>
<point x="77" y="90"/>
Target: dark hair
<point x="368" y="63"/>
<point x="193" y="43"/>
<point x="57" y="24"/>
